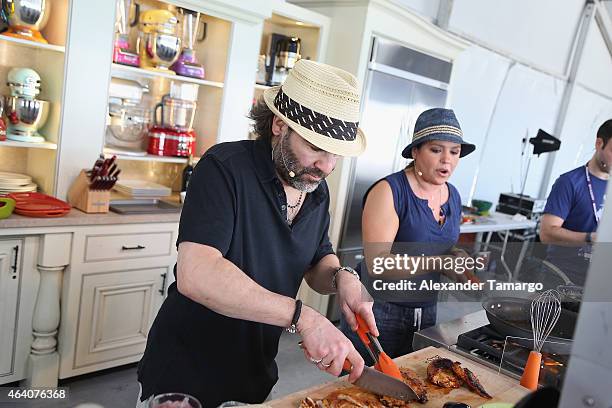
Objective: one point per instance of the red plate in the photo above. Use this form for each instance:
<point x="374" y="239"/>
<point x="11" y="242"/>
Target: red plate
<point x="39" y="205"/>
<point x="42" y="214"/>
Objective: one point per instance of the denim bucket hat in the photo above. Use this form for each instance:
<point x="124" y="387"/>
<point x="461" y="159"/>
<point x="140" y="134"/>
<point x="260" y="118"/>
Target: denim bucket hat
<point x="438" y="124"/>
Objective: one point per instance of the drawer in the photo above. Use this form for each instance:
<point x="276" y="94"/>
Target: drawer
<point x="127" y="246"/>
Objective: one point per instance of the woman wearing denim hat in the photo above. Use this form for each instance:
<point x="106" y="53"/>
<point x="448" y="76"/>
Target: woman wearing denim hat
<point x="414" y="211"/>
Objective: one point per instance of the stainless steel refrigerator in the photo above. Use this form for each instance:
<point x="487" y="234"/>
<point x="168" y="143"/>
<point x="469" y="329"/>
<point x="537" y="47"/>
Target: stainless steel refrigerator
<point x="400" y="83"/>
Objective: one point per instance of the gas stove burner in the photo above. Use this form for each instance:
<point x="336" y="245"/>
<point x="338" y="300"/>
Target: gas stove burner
<point x="486" y="344"/>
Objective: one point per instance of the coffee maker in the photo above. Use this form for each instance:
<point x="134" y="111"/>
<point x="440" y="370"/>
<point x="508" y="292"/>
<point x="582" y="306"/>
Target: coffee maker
<point x="122" y="53"/>
<point x="284" y="53"/>
<point x="187" y="63"/>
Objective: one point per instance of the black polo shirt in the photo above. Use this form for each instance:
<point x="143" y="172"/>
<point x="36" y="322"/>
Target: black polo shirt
<point x="235" y="203"/>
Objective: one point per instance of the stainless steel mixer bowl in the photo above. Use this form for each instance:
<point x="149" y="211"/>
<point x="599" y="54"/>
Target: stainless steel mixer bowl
<point x="161" y="50"/>
<point x="26" y="114"/>
<point x="30" y="13"/>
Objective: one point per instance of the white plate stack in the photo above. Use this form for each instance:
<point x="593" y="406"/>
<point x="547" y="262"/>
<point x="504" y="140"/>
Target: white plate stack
<point x="142" y="189"/>
<point x="16" y="183"/>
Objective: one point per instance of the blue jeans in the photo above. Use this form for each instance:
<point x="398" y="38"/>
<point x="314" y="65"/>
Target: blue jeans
<point x="397" y="325"/>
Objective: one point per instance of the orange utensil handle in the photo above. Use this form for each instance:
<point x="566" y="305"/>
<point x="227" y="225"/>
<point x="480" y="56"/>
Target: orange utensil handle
<point x="531" y="374"/>
<point x="362" y="330"/>
<point x="384" y="363"/>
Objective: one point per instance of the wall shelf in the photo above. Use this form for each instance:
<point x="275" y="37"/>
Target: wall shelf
<point x="42" y="145"/>
<point x="148" y="157"/>
<point x="134" y="73"/>
<point x="33" y="44"/>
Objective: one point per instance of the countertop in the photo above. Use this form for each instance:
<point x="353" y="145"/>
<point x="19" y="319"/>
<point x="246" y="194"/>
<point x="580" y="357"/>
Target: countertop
<point x="497" y="222"/>
<point x="76" y="217"/>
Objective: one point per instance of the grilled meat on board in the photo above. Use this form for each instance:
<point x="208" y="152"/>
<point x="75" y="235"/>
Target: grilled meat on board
<point x="356" y="397"/>
<point x="448" y="374"/>
<point x="440" y="372"/>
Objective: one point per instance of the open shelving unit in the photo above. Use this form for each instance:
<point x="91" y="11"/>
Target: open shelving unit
<point x="38" y="160"/>
<point x="43" y="145"/>
<point x="32" y="44"/>
<point x="147" y="158"/>
<point x="212" y="52"/>
<point x="136" y="74"/>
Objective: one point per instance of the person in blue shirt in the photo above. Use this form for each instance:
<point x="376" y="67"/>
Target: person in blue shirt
<point x="416" y="212"/>
<point x="574" y="209"/>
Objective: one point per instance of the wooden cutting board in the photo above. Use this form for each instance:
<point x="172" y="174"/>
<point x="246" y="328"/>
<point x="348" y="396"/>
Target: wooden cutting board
<point x="501" y="387"/>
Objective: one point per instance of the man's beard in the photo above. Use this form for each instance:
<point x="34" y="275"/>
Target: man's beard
<point x="286" y="161"/>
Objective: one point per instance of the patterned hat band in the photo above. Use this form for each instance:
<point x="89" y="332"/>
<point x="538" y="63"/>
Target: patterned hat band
<point x="438" y="129"/>
<point x="315" y="121"/>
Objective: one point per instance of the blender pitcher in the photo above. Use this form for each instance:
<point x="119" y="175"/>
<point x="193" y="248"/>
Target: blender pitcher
<point x="187" y="63"/>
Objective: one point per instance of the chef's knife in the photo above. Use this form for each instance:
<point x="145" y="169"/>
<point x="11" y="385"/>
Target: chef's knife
<point x="382" y="384"/>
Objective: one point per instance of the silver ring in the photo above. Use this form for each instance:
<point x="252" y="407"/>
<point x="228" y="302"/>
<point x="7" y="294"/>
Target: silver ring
<point x="313" y="361"/>
<point x="325" y="365"/>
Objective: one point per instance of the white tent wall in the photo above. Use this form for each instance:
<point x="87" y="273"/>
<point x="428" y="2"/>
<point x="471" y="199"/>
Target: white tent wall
<point x="517" y="101"/>
<point x="538" y="32"/>
<point x="595" y="69"/>
<point x="511" y="82"/>
<point x="478" y="76"/>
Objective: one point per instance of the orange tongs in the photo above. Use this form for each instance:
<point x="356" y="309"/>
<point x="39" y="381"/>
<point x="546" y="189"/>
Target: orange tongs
<point x="383" y="362"/>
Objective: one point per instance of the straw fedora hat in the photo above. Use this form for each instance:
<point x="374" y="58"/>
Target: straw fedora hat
<point x="321" y="104"/>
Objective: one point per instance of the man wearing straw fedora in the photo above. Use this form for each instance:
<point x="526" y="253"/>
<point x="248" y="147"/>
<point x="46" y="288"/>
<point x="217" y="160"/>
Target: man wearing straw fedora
<point x="254" y="224"/>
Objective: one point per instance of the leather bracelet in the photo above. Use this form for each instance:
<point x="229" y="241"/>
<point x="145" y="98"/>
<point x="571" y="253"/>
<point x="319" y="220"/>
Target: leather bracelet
<point x="343" y="268"/>
<point x="296" y="316"/>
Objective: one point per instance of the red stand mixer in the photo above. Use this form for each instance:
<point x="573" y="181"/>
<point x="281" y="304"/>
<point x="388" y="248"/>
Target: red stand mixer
<point x="173" y="134"/>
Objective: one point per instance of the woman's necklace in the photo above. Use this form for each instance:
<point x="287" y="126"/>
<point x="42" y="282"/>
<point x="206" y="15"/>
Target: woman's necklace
<point x="441" y="216"/>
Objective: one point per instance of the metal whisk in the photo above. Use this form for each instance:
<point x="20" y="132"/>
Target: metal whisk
<point x="545" y="312"/>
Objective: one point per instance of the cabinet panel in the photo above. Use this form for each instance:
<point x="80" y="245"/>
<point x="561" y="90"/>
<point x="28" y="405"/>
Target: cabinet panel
<point x="117" y="310"/>
<point x="127" y="246"/>
<point x="9" y="295"/>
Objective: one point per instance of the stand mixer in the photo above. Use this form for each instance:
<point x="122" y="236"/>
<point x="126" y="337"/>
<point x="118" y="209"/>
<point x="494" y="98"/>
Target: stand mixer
<point x="128" y="119"/>
<point x="121" y="47"/>
<point x="26" y="18"/>
<point x="158" y="43"/>
<point x="25" y="113"/>
<point x="187" y="63"/>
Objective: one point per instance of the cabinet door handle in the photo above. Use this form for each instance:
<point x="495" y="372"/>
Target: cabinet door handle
<point x="132" y="248"/>
<point x="163" y="285"/>
<point x="14" y="267"/>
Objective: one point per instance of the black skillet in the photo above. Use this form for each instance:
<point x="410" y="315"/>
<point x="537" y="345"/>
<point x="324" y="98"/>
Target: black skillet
<point x="511" y="317"/>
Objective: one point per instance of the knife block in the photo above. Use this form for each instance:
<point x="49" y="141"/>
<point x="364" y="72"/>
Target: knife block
<point x="81" y="196"/>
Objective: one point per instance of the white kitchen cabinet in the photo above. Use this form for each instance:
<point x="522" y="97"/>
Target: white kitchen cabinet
<point x="18" y="284"/>
<point x="116" y="282"/>
<point x="117" y="309"/>
<point x="9" y="297"/>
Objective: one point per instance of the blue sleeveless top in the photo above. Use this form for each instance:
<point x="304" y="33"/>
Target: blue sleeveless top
<point x="416" y="221"/>
<point x="420" y="234"/>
